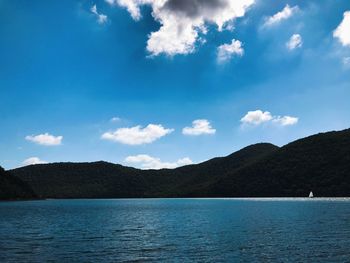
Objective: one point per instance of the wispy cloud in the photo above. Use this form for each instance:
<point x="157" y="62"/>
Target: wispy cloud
<point x="346" y="62"/>
<point x="294" y="42"/>
<point x="285" y="120"/>
<point x="277" y="18"/>
<point x="101" y="18"/>
<point x="145" y="161"/>
<point x="137" y="135"/>
<point x="115" y="119"/>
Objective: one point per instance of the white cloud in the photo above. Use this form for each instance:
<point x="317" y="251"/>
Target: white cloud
<point x="285" y="120"/>
<point x="133" y="6"/>
<point x="33" y="160"/>
<point x="148" y="162"/>
<point x="115" y="119"/>
<point x="227" y="51"/>
<point x="137" y="135"/>
<point x="258" y="117"/>
<point x="181" y="22"/>
<point x="286" y="13"/>
<point x="294" y="42"/>
<point x="199" y="127"/>
<point x="342" y="32"/>
<point x="101" y="18"/>
<point x="45" y="139"/>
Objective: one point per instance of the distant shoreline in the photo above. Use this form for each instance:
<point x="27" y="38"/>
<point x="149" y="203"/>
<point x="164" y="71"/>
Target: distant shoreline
<point x="196" y="198"/>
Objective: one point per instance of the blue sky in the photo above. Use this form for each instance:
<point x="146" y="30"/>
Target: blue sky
<point x="243" y="71"/>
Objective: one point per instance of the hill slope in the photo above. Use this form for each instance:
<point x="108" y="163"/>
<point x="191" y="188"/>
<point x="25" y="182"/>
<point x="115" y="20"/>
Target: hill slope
<point x="106" y="180"/>
<point x="12" y="188"/>
<point x="320" y="163"/>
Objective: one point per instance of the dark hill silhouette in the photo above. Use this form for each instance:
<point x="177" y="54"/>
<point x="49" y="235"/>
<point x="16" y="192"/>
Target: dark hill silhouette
<point x="107" y="180"/>
<point x="320" y="163"/>
<point x="13" y="188"/>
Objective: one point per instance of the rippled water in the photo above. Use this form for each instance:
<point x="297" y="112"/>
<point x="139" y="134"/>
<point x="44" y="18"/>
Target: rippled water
<point x="176" y="230"/>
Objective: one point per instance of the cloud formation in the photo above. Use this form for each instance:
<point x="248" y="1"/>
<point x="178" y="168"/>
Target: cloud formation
<point x="258" y="117"/>
<point x="199" y="127"/>
<point x="342" y="32"/>
<point x="148" y="162"/>
<point x="277" y="18"/>
<point x="227" y="51"/>
<point x="183" y="21"/>
<point x="101" y="18"/>
<point x="45" y="139"/>
<point x="33" y="160"/>
<point x="294" y="42"/>
<point x="137" y="135"/>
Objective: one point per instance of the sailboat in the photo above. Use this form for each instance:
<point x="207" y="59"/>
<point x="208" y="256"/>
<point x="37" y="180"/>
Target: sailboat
<point x="311" y="195"/>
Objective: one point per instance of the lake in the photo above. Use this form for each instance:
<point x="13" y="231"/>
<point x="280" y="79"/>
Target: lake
<point x="176" y="230"/>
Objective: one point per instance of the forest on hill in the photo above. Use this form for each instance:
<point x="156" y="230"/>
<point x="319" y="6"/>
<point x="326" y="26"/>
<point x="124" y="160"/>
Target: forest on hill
<point x="319" y="163"/>
<point x="13" y="188"/>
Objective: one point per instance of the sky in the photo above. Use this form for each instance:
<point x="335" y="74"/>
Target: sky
<point x="165" y="83"/>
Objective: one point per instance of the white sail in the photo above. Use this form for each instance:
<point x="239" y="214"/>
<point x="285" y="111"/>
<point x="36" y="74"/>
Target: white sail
<point x="311" y="195"/>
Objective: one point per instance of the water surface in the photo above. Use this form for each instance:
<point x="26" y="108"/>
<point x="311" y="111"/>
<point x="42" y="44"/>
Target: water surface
<point x="176" y="230"/>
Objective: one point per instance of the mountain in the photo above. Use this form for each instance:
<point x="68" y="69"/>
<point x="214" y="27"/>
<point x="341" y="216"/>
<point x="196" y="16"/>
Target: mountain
<point x="13" y="188"/>
<point x="320" y="163"/>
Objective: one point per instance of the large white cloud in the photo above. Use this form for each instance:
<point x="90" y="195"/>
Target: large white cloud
<point x="148" y="162"/>
<point x="137" y="135"/>
<point x="199" y="127"/>
<point x="258" y="117"/>
<point x="33" y="160"/>
<point x="286" y="13"/>
<point x="45" y="139"/>
<point x="227" y="51"/>
<point x="342" y="32"/>
<point x="294" y="42"/>
<point x="182" y="21"/>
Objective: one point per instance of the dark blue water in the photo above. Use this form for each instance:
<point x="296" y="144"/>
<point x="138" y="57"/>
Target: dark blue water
<point x="175" y="230"/>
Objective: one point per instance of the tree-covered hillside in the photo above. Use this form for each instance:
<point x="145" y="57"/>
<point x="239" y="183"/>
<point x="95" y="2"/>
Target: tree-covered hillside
<point x="319" y="163"/>
<point x="13" y="188"/>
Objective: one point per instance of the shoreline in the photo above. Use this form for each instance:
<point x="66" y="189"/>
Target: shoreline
<point x="194" y="198"/>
